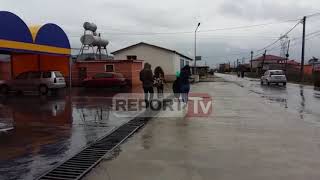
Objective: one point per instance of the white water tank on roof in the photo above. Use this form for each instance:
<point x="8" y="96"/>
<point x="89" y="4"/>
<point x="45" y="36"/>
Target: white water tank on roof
<point x="90" y="26"/>
<point x="92" y="40"/>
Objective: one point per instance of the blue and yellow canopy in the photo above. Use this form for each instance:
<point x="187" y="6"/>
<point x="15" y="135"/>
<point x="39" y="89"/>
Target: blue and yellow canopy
<point x="16" y="36"/>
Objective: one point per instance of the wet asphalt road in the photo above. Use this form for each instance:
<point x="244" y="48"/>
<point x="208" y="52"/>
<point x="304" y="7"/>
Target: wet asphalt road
<point x="43" y="131"/>
<point x="301" y="100"/>
<point x="253" y="133"/>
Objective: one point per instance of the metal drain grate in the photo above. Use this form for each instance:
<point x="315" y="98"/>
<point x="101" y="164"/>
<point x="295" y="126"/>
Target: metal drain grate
<point x="80" y="164"/>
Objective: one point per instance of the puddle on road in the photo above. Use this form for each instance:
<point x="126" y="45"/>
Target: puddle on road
<point x="295" y="98"/>
<point x="40" y="132"/>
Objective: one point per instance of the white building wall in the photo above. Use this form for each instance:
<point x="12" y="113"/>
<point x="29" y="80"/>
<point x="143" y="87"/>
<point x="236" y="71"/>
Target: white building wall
<point x="177" y="62"/>
<point x="168" y="61"/>
<point x="154" y="56"/>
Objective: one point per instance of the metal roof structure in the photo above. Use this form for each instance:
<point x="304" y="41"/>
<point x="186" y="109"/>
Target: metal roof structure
<point x="17" y="37"/>
<point x="143" y="43"/>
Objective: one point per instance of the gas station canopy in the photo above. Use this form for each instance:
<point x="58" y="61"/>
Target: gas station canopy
<point x="17" y="37"/>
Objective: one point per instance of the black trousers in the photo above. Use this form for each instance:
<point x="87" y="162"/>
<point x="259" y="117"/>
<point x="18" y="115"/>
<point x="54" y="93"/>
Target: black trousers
<point x="148" y="93"/>
<point x="160" y="90"/>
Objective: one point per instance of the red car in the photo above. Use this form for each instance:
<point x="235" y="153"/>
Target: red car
<point x="105" y="80"/>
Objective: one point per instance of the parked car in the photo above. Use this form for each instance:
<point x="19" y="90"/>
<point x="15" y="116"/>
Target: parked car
<point x="275" y="77"/>
<point x="41" y="81"/>
<point x="106" y="80"/>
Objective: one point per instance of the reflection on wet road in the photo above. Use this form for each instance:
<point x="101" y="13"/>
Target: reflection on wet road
<point x="300" y="99"/>
<point x="37" y="133"/>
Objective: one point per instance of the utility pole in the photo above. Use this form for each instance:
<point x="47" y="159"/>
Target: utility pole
<point x="287" y="57"/>
<point x="251" y="61"/>
<point x="195" y="49"/>
<point x="238" y="67"/>
<point x="303" y="47"/>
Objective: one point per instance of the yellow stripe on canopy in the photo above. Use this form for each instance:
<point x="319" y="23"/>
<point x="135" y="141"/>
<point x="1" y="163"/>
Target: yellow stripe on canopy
<point x="33" y="47"/>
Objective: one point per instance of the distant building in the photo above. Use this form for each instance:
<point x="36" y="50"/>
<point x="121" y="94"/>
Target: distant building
<point x="224" y="68"/>
<point x="276" y="62"/>
<point x="169" y="60"/>
<point x="201" y="70"/>
<point x="273" y="62"/>
<point x="268" y="62"/>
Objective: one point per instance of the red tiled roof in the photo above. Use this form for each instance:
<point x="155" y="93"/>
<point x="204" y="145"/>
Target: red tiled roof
<point x="278" y="59"/>
<point x="293" y="62"/>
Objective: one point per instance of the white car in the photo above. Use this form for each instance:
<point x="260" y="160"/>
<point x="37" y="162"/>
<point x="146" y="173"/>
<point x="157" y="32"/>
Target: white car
<point x="274" y="77"/>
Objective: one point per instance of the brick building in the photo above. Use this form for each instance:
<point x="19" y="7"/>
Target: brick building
<point x="129" y="68"/>
<point x="83" y="69"/>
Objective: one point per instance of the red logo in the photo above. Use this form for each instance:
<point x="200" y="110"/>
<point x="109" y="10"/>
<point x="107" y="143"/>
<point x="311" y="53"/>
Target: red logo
<point x="199" y="105"/>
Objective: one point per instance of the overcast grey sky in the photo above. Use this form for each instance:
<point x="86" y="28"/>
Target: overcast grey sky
<point x="125" y="22"/>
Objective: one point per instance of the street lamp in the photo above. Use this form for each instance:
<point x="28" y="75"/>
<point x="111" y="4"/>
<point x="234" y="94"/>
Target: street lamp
<point x="195" y="49"/>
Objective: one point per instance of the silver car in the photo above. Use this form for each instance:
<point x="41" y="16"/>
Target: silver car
<point x="41" y="81"/>
<point x="274" y="76"/>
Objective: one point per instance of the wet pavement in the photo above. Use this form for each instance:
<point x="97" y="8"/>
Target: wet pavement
<point x="302" y="100"/>
<point x="253" y="133"/>
<point x="37" y="133"/>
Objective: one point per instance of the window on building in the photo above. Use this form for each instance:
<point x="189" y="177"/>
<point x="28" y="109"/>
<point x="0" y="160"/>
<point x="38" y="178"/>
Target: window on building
<point x="132" y="57"/>
<point x="181" y="63"/>
<point x="109" y="68"/>
<point x="187" y="62"/>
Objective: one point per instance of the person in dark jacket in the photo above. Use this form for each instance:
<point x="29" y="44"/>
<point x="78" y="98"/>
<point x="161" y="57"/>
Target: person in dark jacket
<point x="176" y="87"/>
<point x="146" y="77"/>
<point x="159" y="80"/>
<point x="184" y="83"/>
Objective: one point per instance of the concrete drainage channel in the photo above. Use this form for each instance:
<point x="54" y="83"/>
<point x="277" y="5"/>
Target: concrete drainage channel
<point x="80" y="164"/>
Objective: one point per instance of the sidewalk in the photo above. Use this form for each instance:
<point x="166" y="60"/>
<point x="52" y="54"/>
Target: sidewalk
<point x="244" y="139"/>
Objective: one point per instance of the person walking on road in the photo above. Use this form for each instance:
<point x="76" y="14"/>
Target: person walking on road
<point x="184" y="83"/>
<point x="176" y="86"/>
<point x="159" y="80"/>
<point x="146" y="77"/>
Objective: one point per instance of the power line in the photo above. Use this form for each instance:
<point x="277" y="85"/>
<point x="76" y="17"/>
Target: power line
<point x="310" y="35"/>
<point x="218" y="37"/>
<point x="191" y="32"/>
<point x="290" y="30"/>
<point x="247" y="26"/>
<point x="314" y="14"/>
<point x="315" y="33"/>
<point x="296" y="41"/>
<point x="285" y="34"/>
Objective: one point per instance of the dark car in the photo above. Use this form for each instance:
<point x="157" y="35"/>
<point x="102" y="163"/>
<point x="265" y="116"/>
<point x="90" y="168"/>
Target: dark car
<point x="105" y="80"/>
